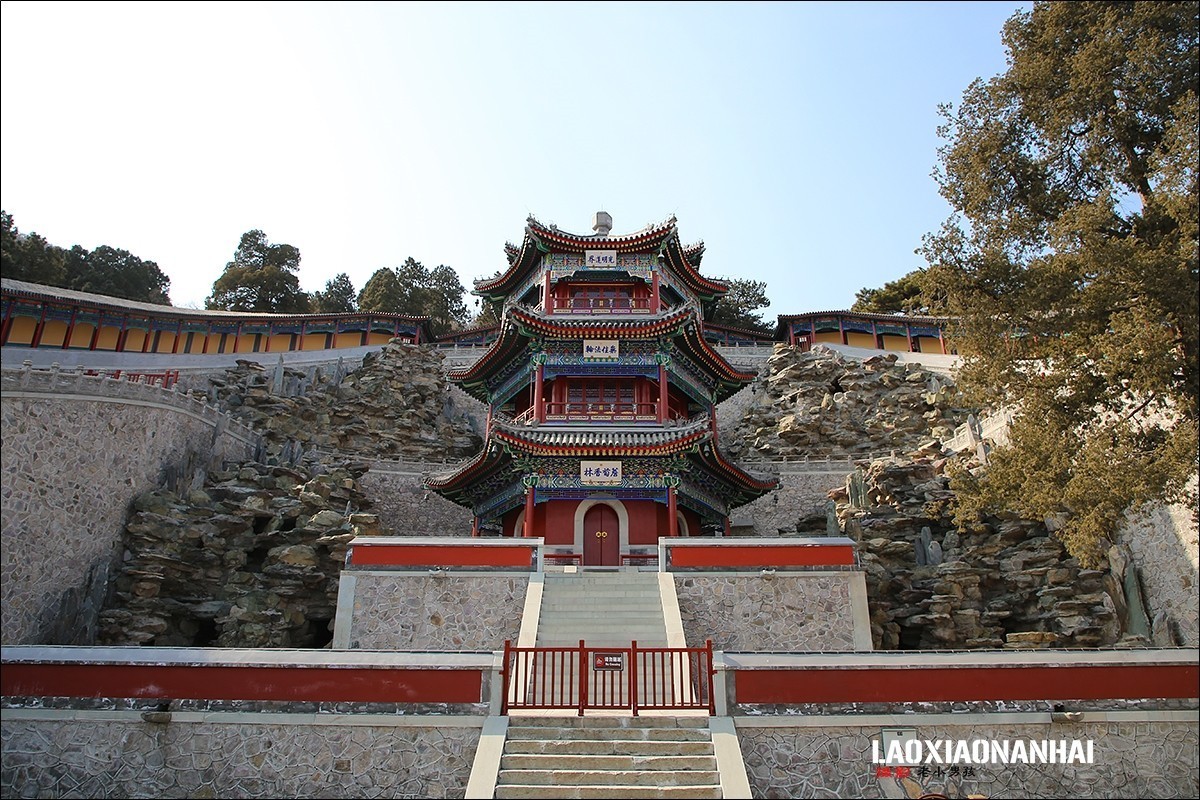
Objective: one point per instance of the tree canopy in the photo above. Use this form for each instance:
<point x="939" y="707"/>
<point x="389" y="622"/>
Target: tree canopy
<point x="338" y="296"/>
<point x="1071" y="261"/>
<point x="412" y="288"/>
<point x="905" y="295"/>
<point x="105" y="270"/>
<point x="261" y="277"/>
<point x="739" y="307"/>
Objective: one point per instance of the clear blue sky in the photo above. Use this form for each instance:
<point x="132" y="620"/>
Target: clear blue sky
<point x="797" y="140"/>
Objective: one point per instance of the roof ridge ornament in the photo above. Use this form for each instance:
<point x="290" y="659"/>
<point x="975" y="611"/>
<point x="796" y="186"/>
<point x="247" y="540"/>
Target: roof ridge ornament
<point x="602" y="223"/>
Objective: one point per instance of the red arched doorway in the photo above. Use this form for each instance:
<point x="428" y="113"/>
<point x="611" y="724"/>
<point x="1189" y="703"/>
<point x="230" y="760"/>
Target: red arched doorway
<point x="601" y="537"/>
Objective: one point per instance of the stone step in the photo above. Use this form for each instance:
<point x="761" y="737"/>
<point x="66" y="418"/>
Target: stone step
<point x="573" y="601"/>
<point x="602" y="734"/>
<point x="596" y="721"/>
<point x="604" y="777"/>
<point x="567" y="627"/>
<point x="621" y="762"/>
<point x="607" y="747"/>
<point x="606" y="792"/>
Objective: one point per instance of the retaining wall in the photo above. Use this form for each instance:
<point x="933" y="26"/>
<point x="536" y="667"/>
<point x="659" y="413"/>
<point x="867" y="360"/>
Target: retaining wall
<point x="1165" y="542"/>
<point x="416" y="610"/>
<point x="77" y="449"/>
<point x="118" y="754"/>
<point x="1136" y="754"/>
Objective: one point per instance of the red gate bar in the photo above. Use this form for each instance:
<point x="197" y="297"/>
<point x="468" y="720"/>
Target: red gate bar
<point x="611" y="678"/>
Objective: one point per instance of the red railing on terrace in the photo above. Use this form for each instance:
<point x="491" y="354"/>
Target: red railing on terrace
<point x="628" y="678"/>
<point x="602" y="305"/>
<point x="602" y="410"/>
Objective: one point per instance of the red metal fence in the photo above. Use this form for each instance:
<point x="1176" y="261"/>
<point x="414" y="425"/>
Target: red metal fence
<point x="626" y="678"/>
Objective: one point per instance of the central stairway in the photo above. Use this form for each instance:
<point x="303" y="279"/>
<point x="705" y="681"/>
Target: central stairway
<point x="602" y="757"/>
<point x="606" y="609"/>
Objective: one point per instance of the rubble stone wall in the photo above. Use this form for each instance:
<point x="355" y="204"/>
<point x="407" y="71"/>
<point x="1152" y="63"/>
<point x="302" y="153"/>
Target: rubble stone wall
<point x="404" y="505"/>
<point x="245" y="755"/>
<point x="452" y="611"/>
<point x="794" y="612"/>
<point x="1150" y="759"/>
<point x="798" y="505"/>
<point x="1165" y="543"/>
<point x="76" y="451"/>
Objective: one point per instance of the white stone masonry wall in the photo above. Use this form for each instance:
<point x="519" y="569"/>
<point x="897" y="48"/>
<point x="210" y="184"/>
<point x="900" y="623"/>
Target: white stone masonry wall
<point x="789" y="612"/>
<point x="76" y="451"/>
<point x="419" y="611"/>
<point x="1165" y="542"/>
<point x="1134" y="759"/>
<point x="235" y="755"/>
<point x="406" y="507"/>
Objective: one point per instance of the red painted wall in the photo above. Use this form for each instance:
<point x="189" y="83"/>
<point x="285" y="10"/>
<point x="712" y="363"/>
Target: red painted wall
<point x="763" y="556"/>
<point x="872" y="685"/>
<point x="308" y="683"/>
<point x="464" y="555"/>
<point x="555" y="520"/>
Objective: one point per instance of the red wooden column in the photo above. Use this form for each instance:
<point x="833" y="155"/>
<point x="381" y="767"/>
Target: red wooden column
<point x="655" y="293"/>
<point x="672" y="508"/>
<point x="41" y="327"/>
<point x="547" y="294"/>
<point x="842" y="329"/>
<point x="8" y="319"/>
<point x="95" y="340"/>
<point x="178" y="336"/>
<point x="662" y="393"/>
<point x="71" y="330"/>
<point x="475" y="526"/>
<point x="908" y="333"/>
<point x="528" y="530"/>
<point x="942" y="341"/>
<point x="123" y="333"/>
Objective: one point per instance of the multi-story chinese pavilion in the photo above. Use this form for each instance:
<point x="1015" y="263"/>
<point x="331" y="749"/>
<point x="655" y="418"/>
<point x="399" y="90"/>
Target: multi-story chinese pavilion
<point x="601" y="390"/>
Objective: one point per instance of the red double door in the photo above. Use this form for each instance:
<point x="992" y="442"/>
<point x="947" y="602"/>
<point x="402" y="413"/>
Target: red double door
<point x="601" y="537"/>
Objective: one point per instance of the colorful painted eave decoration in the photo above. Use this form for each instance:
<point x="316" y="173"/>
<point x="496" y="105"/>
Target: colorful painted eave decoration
<point x="713" y="459"/>
<point x="589" y="328"/>
<point x="678" y="260"/>
<point x="681" y="443"/>
<point x="508" y="345"/>
<point x="701" y="349"/>
<point x="481" y="465"/>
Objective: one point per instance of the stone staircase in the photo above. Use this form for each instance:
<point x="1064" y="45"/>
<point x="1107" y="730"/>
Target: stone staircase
<point x="603" y="757"/>
<point x="605" y="609"/>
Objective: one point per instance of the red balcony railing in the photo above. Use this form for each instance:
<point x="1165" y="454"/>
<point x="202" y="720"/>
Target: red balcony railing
<point x="602" y="305"/>
<point x="594" y="410"/>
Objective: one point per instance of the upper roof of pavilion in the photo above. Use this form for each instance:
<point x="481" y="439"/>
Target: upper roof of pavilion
<point x="541" y="238"/>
